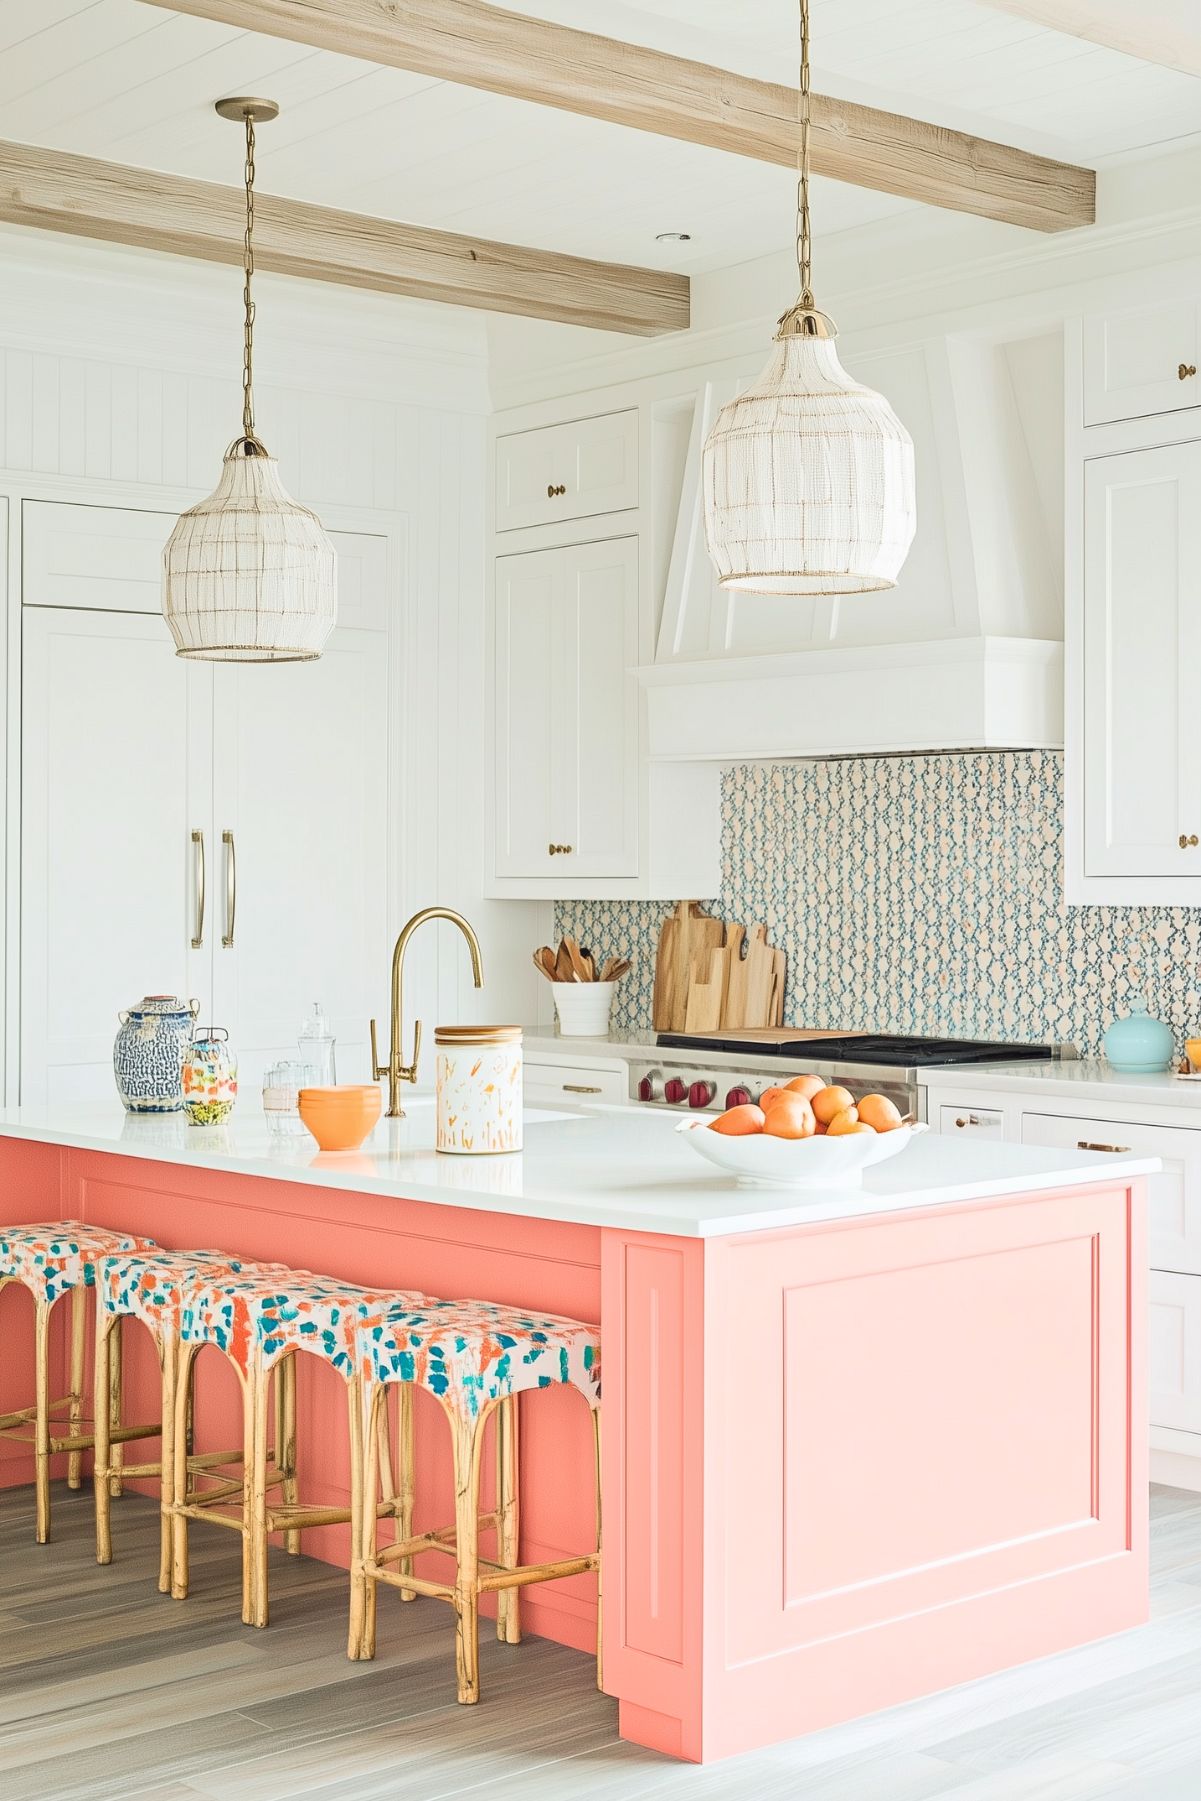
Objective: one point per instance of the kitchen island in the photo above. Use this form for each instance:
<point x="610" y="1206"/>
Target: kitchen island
<point x="860" y="1443"/>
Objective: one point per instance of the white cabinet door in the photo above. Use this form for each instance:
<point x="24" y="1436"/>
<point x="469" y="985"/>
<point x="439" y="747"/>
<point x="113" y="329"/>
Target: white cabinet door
<point x="108" y="559"/>
<point x="569" y="471"/>
<point x="1133" y="362"/>
<point x="1142" y="649"/>
<point x="1174" y="1196"/>
<point x="116" y="741"/>
<point x="299" y="871"/>
<point x="566" y="711"/>
<point x="1174" y="1350"/>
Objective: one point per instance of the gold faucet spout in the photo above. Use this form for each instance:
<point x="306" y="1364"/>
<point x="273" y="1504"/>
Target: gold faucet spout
<point x="396" y="1071"/>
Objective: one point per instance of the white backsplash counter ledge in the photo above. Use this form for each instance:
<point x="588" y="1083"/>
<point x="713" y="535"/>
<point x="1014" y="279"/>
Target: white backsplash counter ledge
<point x="610" y="1167"/>
<point x="1082" y="1080"/>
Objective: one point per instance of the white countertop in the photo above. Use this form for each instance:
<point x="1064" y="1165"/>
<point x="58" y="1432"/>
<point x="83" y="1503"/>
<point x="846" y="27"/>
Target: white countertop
<point x="620" y="1167"/>
<point x="1079" y="1079"/>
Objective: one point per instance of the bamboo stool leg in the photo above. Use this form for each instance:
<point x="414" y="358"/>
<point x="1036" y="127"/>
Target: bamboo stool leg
<point x="362" y="1542"/>
<point x="467" y="1440"/>
<point x="508" y="1600"/>
<point x="116" y="1377"/>
<point x="254" y="1503"/>
<point x="406" y="1475"/>
<point x="600" y="1572"/>
<point x="168" y="1352"/>
<point x="285" y="1443"/>
<point x="79" y="1328"/>
<point x="41" y="1448"/>
<point x="181" y="1419"/>
<point x="101" y="1447"/>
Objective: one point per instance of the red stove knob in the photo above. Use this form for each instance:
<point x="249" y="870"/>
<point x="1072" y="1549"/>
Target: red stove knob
<point x="646" y="1089"/>
<point x="700" y="1094"/>
<point x="675" y="1091"/>
<point x="738" y="1097"/>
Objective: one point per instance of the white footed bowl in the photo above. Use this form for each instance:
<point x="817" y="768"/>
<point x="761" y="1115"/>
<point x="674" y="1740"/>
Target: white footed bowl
<point x="820" y="1162"/>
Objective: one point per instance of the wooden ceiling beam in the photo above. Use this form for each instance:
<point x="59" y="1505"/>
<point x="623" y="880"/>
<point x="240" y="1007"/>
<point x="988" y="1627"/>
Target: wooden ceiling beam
<point x="481" y="46"/>
<point x="58" y="191"/>
<point x="1154" y="32"/>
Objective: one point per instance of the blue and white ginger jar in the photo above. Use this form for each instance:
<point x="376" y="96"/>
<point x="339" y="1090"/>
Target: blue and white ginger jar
<point x="149" y="1052"/>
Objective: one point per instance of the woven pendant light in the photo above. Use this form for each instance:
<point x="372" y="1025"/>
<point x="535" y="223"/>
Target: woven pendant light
<point x="248" y="574"/>
<point x="808" y="475"/>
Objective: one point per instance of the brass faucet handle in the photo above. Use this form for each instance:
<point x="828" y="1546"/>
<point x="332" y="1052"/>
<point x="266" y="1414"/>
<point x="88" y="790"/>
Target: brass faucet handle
<point x="411" y="1072"/>
<point x="378" y="1070"/>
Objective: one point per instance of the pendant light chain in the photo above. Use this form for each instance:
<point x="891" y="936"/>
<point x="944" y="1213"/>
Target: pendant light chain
<point x="804" y="229"/>
<point x="247" y="301"/>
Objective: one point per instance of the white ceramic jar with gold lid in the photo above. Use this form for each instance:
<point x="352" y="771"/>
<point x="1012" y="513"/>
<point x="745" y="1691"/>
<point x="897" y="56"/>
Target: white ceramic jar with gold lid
<point x="478" y="1089"/>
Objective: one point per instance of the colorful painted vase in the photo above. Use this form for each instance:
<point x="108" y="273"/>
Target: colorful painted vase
<point x="149" y="1051"/>
<point x="478" y="1070"/>
<point x="210" y="1078"/>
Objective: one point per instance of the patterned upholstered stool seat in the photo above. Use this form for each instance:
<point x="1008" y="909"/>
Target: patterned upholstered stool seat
<point x="149" y="1286"/>
<point x="475" y="1358"/>
<point x="53" y="1258"/>
<point x="260" y="1318"/>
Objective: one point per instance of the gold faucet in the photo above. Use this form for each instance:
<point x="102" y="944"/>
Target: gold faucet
<point x="396" y="1071"/>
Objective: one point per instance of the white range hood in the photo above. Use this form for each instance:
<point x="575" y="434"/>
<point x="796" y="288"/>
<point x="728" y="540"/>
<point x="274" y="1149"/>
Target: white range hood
<point x="966" y="652"/>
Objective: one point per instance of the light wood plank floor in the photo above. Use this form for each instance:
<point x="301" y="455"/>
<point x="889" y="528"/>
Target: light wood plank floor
<point x="109" y="1690"/>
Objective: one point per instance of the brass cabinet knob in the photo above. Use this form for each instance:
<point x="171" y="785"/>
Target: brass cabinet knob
<point x="1185" y="370"/>
<point x="559" y="850"/>
<point x="553" y="492"/>
<point x="1189" y="842"/>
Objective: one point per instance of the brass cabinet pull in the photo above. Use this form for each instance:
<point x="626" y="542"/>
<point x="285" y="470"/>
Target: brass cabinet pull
<point x="1189" y="842"/>
<point x="1185" y="370"/>
<point x="580" y="1088"/>
<point x="1117" y="1150"/>
<point x="231" y="888"/>
<point x="553" y="491"/>
<point x="198" y="940"/>
<point x="559" y="850"/>
<point x="973" y="1119"/>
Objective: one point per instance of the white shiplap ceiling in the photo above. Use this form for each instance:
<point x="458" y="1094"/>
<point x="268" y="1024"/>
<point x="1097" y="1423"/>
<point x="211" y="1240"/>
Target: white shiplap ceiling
<point x="116" y="79"/>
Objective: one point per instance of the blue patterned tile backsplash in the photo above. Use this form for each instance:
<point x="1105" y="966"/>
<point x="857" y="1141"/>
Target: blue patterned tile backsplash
<point x="920" y="895"/>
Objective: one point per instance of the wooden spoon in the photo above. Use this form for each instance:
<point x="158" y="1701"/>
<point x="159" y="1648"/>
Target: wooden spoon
<point x="579" y="968"/>
<point x="564" y="971"/>
<point x="540" y="966"/>
<point x="615" y="968"/>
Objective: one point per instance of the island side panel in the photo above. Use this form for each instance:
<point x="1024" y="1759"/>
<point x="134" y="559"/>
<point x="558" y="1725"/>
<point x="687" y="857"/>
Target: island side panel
<point x="925" y="1454"/>
<point x="372" y="1240"/>
<point x="31" y="1188"/>
<point x="653" y="1354"/>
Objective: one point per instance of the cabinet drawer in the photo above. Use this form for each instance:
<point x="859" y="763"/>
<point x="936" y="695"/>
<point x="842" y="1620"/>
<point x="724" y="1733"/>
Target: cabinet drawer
<point x="1133" y="362"/>
<point x="567" y="471"/>
<point x="1174" y="1222"/>
<point x="1174" y="1350"/>
<point x="107" y="559"/>
<point x="971" y="1122"/>
<point x="545" y="1083"/>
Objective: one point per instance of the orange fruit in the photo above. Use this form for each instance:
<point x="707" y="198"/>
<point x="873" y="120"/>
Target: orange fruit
<point x="829" y="1101"/>
<point x="770" y="1096"/>
<point x="806" y="1085"/>
<point x="739" y="1122"/>
<point x="860" y="1125"/>
<point x="791" y="1117"/>
<point x="878" y="1111"/>
<point x="846" y="1121"/>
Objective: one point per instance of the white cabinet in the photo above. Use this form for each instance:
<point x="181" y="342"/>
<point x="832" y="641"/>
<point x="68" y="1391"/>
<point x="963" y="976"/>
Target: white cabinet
<point x="972" y="1122"/>
<point x="1142" y="361"/>
<point x="114" y="781"/>
<point x="565" y="712"/>
<point x="1139" y="772"/>
<point x="549" y="1081"/>
<point x="572" y="470"/>
<point x="1174" y="1196"/>
<point x="108" y="559"/>
<point x="166" y="801"/>
<point x="1174" y="1351"/>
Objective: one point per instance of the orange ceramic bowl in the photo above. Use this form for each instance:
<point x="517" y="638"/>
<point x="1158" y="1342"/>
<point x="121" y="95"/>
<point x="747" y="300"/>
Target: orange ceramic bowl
<point x="340" y="1118"/>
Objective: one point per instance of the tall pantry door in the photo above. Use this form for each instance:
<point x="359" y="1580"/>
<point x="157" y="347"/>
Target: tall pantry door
<point x="300" y="827"/>
<point x="116" y="777"/>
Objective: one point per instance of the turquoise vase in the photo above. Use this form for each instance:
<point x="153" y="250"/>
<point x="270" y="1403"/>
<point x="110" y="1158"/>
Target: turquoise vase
<point x="1138" y="1044"/>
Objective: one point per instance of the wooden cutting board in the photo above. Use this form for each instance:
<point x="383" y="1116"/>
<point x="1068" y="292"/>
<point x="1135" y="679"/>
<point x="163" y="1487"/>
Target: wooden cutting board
<point x="760" y="974"/>
<point x="784" y="1035"/>
<point x="706" y="999"/>
<point x="686" y="942"/>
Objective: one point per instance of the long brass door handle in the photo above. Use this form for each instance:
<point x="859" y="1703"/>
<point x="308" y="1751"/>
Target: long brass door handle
<point x="198" y="841"/>
<point x="1116" y="1150"/>
<point x="231" y="888"/>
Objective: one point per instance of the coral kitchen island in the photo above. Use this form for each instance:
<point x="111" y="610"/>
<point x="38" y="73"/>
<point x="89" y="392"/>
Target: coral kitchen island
<point x="859" y="1444"/>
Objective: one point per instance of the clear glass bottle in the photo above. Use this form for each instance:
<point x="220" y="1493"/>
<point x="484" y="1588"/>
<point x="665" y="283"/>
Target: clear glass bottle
<point x="316" y="1042"/>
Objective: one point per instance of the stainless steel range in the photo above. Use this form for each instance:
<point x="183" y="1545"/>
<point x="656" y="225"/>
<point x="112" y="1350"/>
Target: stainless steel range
<point x="710" y="1074"/>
